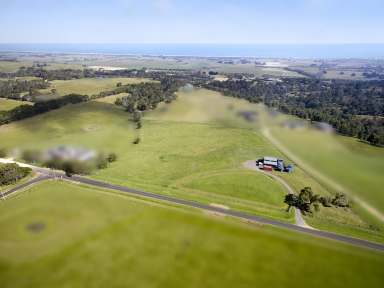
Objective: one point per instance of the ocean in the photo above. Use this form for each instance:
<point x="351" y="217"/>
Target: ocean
<point x="325" y="51"/>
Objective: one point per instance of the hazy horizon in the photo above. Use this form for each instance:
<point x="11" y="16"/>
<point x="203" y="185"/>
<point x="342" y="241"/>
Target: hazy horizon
<point x="330" y="51"/>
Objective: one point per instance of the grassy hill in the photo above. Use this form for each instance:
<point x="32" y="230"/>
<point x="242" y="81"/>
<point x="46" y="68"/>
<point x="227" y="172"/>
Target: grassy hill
<point x="57" y="234"/>
<point x="192" y="148"/>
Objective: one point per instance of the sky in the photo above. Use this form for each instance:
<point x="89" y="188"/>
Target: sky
<point x="189" y="21"/>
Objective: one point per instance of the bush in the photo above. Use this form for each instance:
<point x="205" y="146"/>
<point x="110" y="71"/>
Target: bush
<point x="70" y="167"/>
<point x="101" y="162"/>
<point x="137" y="140"/>
<point x="54" y="163"/>
<point x="11" y="173"/>
<point x="76" y="167"/>
<point x="325" y="201"/>
<point x="112" y="157"/>
<point x="340" y="200"/>
<point x="3" y="153"/>
<point x="31" y="156"/>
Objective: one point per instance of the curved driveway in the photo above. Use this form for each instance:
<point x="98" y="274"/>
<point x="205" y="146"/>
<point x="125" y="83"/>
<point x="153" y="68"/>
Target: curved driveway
<point x="299" y="220"/>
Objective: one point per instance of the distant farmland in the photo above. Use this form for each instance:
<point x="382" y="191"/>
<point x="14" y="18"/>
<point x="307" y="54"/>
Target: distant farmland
<point x="85" y="86"/>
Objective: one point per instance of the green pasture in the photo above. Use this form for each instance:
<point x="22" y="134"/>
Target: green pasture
<point x="356" y="166"/>
<point x="192" y="148"/>
<point x="13" y="66"/>
<point x="57" y="234"/>
<point x="9" y="104"/>
<point x="85" y="86"/>
<point x="111" y="99"/>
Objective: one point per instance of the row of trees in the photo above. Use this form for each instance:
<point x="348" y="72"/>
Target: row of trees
<point x="353" y="108"/>
<point x="25" y="111"/>
<point x="306" y="201"/>
<point x="10" y="173"/>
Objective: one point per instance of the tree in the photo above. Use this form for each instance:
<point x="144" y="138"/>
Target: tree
<point x="291" y="200"/>
<point x="112" y="157"/>
<point x="340" y="200"/>
<point x="76" y="167"/>
<point x="326" y="201"/>
<point x="304" y="201"/>
<point x="307" y="199"/>
<point x="137" y="140"/>
<point x="136" y="117"/>
<point x="68" y="169"/>
<point x="101" y="162"/>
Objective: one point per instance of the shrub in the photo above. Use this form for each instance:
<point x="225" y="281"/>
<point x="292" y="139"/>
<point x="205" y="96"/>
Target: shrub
<point x="325" y="201"/>
<point x="31" y="156"/>
<point x="3" y="153"/>
<point x="101" y="162"/>
<point x="112" y="157"/>
<point x="76" y="167"/>
<point x="137" y="140"/>
<point x="340" y="200"/>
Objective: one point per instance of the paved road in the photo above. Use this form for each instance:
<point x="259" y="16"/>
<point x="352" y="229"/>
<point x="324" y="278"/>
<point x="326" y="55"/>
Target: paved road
<point x="349" y="240"/>
<point x="37" y="179"/>
<point x="299" y="220"/>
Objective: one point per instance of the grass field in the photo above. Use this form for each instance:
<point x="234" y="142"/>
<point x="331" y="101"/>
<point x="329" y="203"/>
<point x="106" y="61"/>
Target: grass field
<point x="85" y="86"/>
<point x="332" y="73"/>
<point x="353" y="164"/>
<point x="346" y="165"/>
<point x="192" y="148"/>
<point x="187" y="63"/>
<point x="13" y="66"/>
<point x="111" y="99"/>
<point x="98" y="239"/>
<point x="9" y="104"/>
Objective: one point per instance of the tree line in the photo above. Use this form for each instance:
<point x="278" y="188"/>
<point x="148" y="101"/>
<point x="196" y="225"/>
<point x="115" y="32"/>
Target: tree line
<point x="307" y="200"/>
<point x="141" y="97"/>
<point x="353" y="108"/>
<point x="26" y="111"/>
<point x="68" y="74"/>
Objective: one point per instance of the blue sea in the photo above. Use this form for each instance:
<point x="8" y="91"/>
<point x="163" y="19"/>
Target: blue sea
<point x="325" y="51"/>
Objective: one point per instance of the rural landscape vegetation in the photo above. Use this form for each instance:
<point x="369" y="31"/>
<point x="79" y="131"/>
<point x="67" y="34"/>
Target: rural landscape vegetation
<point x="156" y="169"/>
